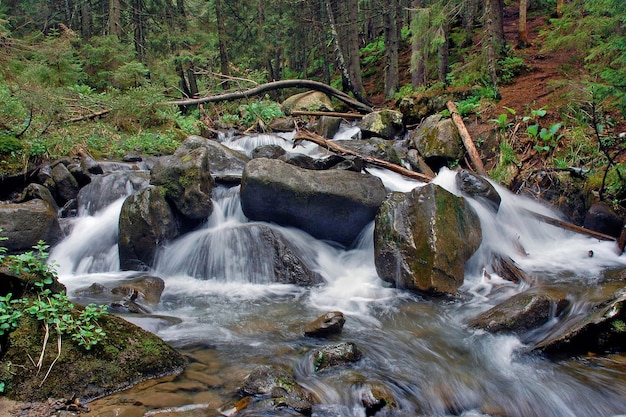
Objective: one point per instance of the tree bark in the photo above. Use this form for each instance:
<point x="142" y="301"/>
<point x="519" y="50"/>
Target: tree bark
<point x="418" y="55"/>
<point x="263" y="88"/>
<point x="339" y="55"/>
<point x="490" y="43"/>
<point x="444" y="53"/>
<point x="354" y="55"/>
<point x="467" y="139"/>
<point x="140" y="30"/>
<point x="334" y="147"/>
<point x="86" y="25"/>
<point x="221" y="40"/>
<point x="115" y="25"/>
<point x="560" y="4"/>
<point x="391" y="48"/>
<point x="522" y="36"/>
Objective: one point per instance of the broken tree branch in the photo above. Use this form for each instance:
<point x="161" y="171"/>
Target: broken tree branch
<point x="338" y="149"/>
<point x="276" y="85"/>
<point x="88" y="116"/>
<point x="570" y="226"/>
<point x="326" y="113"/>
<point x="467" y="139"/>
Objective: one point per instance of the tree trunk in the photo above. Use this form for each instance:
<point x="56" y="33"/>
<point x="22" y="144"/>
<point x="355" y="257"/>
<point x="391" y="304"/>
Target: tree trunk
<point x="115" y="23"/>
<point x="181" y="15"/>
<point x="140" y="30"/>
<point x="417" y="46"/>
<point x="391" y="48"/>
<point x="522" y="38"/>
<point x="490" y="45"/>
<point x="560" y="4"/>
<point x="339" y="55"/>
<point x="354" y="55"/>
<point x="86" y="25"/>
<point x="444" y="52"/>
<point x="221" y="40"/>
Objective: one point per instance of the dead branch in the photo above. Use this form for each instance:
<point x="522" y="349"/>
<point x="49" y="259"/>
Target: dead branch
<point x="277" y="85"/>
<point x="570" y="226"/>
<point x="338" y="149"/>
<point x="326" y="113"/>
<point x="467" y="139"/>
<point x="88" y="116"/>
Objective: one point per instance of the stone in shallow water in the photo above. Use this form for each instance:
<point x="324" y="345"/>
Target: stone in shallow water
<point x="329" y="324"/>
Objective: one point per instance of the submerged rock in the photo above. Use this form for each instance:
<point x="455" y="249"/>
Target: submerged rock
<point x="134" y="295"/>
<point x="336" y="355"/>
<point x="277" y="385"/>
<point x="523" y="312"/>
<point x="326" y="325"/>
<point x="477" y="187"/>
<point x="334" y="205"/>
<point x="422" y="239"/>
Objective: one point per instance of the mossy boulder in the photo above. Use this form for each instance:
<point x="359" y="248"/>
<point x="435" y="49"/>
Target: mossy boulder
<point x="386" y="124"/>
<point x="438" y="141"/>
<point x="307" y="101"/>
<point x="146" y="223"/>
<point x="422" y="239"/>
<point x="27" y="223"/>
<point x="127" y="356"/>
<point x="186" y="179"/>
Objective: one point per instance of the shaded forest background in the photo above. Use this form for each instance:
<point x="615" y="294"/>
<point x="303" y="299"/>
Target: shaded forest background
<point x="547" y="78"/>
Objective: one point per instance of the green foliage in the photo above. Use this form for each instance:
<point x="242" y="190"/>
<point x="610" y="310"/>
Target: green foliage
<point x="53" y="310"/>
<point x="253" y="113"/>
<point x="469" y="105"/>
<point x="510" y="67"/>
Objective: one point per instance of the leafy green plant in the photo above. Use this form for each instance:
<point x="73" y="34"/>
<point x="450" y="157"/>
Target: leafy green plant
<point x="54" y="311"/>
<point x="468" y="105"/>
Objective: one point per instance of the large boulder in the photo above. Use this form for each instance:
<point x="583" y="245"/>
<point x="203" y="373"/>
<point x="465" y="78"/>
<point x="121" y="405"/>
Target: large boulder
<point x="27" y="223"/>
<point x="422" y="239"/>
<point x="105" y="189"/>
<point x="438" y="141"/>
<point x="387" y="150"/>
<point x="334" y="205"/>
<point x="186" y="179"/>
<point x="386" y="124"/>
<point x="603" y="219"/>
<point x="146" y="223"/>
<point x="226" y="165"/>
<point x="307" y="101"/>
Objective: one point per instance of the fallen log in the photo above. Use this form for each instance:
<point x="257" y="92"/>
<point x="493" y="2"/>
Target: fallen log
<point x="338" y="149"/>
<point x="570" y="226"/>
<point x="87" y="117"/>
<point x="466" y="138"/>
<point x="326" y="113"/>
<point x="277" y="85"/>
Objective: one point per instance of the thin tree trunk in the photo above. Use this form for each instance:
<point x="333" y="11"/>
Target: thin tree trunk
<point x="522" y="38"/>
<point x="221" y="40"/>
<point x="391" y="48"/>
<point x="140" y="30"/>
<point x="444" y="53"/>
<point x="115" y="25"/>
<point x="181" y="15"/>
<point x="86" y="26"/>
<point x="560" y="4"/>
<point x="466" y="138"/>
<point x="354" y="56"/>
<point x="489" y="43"/>
<point x="341" y="62"/>
<point x="417" y="46"/>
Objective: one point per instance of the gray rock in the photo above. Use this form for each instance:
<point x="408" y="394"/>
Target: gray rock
<point x="422" y="239"/>
<point x="226" y="165"/>
<point x="279" y="385"/>
<point x="374" y="147"/>
<point x="307" y="101"/>
<point x="386" y="124"/>
<point x="601" y="218"/>
<point x="523" y="312"/>
<point x="37" y="191"/>
<point x="186" y="179"/>
<point x="477" y="187"/>
<point x="334" y="205"/>
<point x="336" y="355"/>
<point x="66" y="186"/>
<point x="328" y="126"/>
<point x="105" y="189"/>
<point x="438" y="139"/>
<point x="146" y="223"/>
<point x="27" y="223"/>
<point x="268" y="151"/>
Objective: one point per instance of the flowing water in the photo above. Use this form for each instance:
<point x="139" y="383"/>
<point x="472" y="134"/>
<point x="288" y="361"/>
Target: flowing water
<point x="231" y="317"/>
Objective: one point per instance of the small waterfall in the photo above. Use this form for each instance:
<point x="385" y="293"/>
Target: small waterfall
<point x="219" y="283"/>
